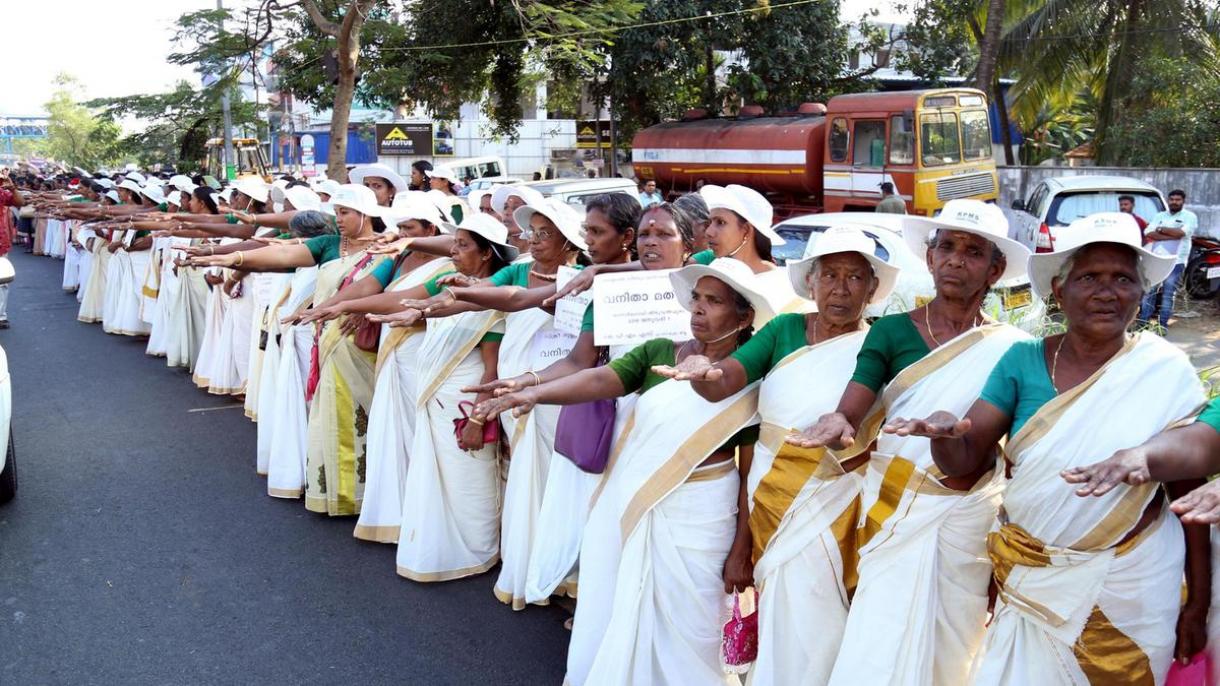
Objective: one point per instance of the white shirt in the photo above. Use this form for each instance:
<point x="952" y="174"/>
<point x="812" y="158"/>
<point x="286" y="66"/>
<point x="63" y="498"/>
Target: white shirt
<point x="1183" y="220"/>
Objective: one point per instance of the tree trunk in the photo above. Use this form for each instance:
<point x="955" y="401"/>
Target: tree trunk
<point x="989" y="46"/>
<point x="1001" y="109"/>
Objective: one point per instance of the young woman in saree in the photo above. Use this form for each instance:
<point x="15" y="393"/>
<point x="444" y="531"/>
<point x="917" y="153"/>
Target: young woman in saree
<point x="652" y="598"/>
<point x="1089" y="588"/>
<point x="128" y="263"/>
<point x="340" y="385"/>
<point x="450" y="525"/>
<point x="392" y="416"/>
<point x="93" y="280"/>
<point x="188" y="312"/>
<point x="797" y="509"/>
<point x="920" y="606"/>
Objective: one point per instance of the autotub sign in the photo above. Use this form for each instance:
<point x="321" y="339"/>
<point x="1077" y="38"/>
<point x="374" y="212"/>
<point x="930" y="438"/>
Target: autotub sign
<point x="405" y="139"/>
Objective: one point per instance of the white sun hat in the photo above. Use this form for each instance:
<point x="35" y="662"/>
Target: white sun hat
<point x="359" y="173"/>
<point x="415" y="205"/>
<point x="501" y="194"/>
<point x="443" y="173"/>
<point x="114" y="196"/>
<point x="174" y="198"/>
<point x="970" y="216"/>
<point x="327" y="186"/>
<point x="226" y="195"/>
<point x="486" y="226"/>
<point x="562" y="215"/>
<point x="845" y="238"/>
<point x="1102" y="227"/>
<point x="747" y="203"/>
<point x="442" y="203"/>
<point x="736" y="274"/>
<point x="131" y="186"/>
<point x="357" y="197"/>
<point x="301" y="198"/>
<point x="255" y="188"/>
<point x="105" y="183"/>
<point x="153" y="193"/>
<point x="182" y="182"/>
<point x="135" y="176"/>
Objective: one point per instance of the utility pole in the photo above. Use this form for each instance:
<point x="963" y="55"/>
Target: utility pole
<point x="230" y="161"/>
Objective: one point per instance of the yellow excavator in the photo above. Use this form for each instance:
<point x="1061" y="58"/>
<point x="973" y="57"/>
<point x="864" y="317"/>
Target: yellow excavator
<point x="251" y="160"/>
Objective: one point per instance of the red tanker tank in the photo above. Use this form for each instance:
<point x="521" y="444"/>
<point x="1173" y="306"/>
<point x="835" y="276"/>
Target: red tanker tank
<point x="781" y="156"/>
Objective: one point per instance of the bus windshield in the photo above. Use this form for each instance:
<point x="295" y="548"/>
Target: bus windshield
<point x="952" y="137"/>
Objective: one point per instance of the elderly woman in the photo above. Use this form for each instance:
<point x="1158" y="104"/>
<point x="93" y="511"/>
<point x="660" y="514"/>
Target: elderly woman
<point x="651" y="589"/>
<point x="921" y="598"/>
<point x="392" y="416"/>
<point x="1089" y="588"/>
<point x="340" y="384"/>
<point x="797" y="509"/>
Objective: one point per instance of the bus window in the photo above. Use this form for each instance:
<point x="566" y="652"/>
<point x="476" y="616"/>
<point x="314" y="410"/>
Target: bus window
<point x="838" y="140"/>
<point x="939" y="143"/>
<point x="976" y="135"/>
<point x="870" y="144"/>
<point x="902" y="140"/>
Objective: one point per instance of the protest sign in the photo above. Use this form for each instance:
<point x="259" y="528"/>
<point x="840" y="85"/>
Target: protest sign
<point x="570" y="310"/>
<point x="633" y="307"/>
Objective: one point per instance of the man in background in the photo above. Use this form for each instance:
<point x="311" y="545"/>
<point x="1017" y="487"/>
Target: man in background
<point x="1126" y="205"/>
<point x="1169" y="233"/>
<point x="891" y="202"/>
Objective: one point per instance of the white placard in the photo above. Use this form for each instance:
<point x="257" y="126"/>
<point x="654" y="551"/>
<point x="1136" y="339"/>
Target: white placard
<point x="550" y="346"/>
<point x="633" y="307"/>
<point x="570" y="310"/>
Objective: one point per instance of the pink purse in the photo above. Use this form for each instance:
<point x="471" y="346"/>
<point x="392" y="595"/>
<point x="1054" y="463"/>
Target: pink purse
<point x="739" y="643"/>
<point x="1195" y="673"/>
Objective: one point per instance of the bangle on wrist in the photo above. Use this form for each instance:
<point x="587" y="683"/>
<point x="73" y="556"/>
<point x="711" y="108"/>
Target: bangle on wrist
<point x="241" y="258"/>
<point x="537" y="379"/>
<point x="474" y="421"/>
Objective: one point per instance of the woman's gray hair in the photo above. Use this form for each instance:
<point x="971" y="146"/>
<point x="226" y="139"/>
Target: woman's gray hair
<point x="311" y="223"/>
<point x="1070" y="263"/>
<point x="996" y="253"/>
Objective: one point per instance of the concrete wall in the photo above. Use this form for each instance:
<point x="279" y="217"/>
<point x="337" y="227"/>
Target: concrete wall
<point x="1202" y="186"/>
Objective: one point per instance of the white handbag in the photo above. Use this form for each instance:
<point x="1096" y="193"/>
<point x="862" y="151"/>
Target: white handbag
<point x="7" y="273"/>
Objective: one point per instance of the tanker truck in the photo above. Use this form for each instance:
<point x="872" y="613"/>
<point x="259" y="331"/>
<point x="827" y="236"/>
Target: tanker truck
<point x="933" y="145"/>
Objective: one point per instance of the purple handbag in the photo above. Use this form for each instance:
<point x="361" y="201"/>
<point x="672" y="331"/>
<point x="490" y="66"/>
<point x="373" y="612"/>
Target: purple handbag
<point x="584" y="434"/>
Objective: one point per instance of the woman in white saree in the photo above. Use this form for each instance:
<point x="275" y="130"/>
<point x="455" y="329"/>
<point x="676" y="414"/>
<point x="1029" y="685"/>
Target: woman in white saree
<point x="340" y="384"/>
<point x="392" y="415"/>
<point x="920" y="606"/>
<point x="797" y="509"/>
<point x="1089" y="588"/>
<point x="450" y="524"/>
<point x="652" y="598"/>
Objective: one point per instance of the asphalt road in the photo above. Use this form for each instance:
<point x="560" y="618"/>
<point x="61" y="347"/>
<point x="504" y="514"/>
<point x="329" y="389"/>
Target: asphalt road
<point x="142" y="547"/>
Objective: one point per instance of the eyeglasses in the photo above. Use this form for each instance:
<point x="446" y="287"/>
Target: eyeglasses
<point x="540" y="234"/>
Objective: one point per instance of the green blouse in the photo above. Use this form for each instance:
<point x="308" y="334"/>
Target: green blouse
<point x="324" y="248"/>
<point x="891" y="345"/>
<point x="635" y="371"/>
<point x="772" y="343"/>
<point x="703" y="257"/>
<point x="1211" y="414"/>
<point x="1020" y="384"/>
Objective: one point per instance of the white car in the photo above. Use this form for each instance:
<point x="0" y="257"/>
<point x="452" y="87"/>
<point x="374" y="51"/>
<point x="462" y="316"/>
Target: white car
<point x="578" y="191"/>
<point x="8" y="461"/>
<point x="1059" y="201"/>
<point x="1010" y="301"/>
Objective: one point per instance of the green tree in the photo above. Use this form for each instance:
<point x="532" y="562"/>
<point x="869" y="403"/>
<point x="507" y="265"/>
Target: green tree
<point x="75" y="135"/>
<point x="1060" y="47"/>
<point x="1170" y="125"/>
<point x="791" y="55"/>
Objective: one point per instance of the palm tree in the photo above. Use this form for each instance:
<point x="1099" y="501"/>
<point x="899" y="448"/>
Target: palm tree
<point x="1059" y="47"/>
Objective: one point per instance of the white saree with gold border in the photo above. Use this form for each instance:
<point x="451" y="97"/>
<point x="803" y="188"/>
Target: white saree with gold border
<point x="392" y="417"/>
<point x="531" y="441"/>
<point x="1077" y="603"/>
<point x="803" y="513"/>
<point x="94" y="286"/>
<point x="918" y="613"/>
<point x="652" y="601"/>
<point x="283" y="427"/>
<point x="450" y="525"/>
<point x="338" y="414"/>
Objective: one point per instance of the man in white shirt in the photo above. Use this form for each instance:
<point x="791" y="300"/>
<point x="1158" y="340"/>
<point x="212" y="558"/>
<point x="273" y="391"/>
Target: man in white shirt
<point x="1169" y="233"/>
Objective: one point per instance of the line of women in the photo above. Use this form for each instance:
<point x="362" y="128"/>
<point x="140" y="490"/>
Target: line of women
<point x="899" y="494"/>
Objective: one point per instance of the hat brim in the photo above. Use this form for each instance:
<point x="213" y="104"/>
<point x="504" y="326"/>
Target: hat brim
<point x="684" y="281"/>
<point x="1044" y="267"/>
<point x="719" y="197"/>
<point x="359" y="174"/>
<point x="886" y="273"/>
<point x="917" y="229"/>
<point x="522" y="215"/>
<point x="507" y="252"/>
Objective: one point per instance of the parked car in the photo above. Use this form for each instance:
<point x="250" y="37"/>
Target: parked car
<point x="1059" y="201"/>
<point x="1202" y="275"/>
<point x="578" y="191"/>
<point x="8" y="459"/>
<point x="474" y="167"/>
<point x="1010" y="301"/>
<point x="487" y="182"/>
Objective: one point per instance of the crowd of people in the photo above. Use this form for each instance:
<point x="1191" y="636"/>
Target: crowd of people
<point x="930" y="497"/>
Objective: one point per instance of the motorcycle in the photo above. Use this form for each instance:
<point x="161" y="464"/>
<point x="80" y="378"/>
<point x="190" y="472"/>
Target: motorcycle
<point x="1202" y="276"/>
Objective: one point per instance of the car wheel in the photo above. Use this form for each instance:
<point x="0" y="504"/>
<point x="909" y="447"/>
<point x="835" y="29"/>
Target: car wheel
<point x="8" y="478"/>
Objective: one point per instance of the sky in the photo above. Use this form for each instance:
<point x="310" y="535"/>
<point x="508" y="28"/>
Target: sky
<point x="120" y="48"/>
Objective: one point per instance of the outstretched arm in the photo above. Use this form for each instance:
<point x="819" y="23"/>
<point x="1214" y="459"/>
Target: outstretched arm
<point x="837" y="430"/>
<point x="959" y="447"/>
<point x="1186" y="452"/>
<point x="591" y="384"/>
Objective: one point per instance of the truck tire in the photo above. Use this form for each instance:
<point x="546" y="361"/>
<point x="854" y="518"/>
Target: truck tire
<point x="8" y="478"/>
